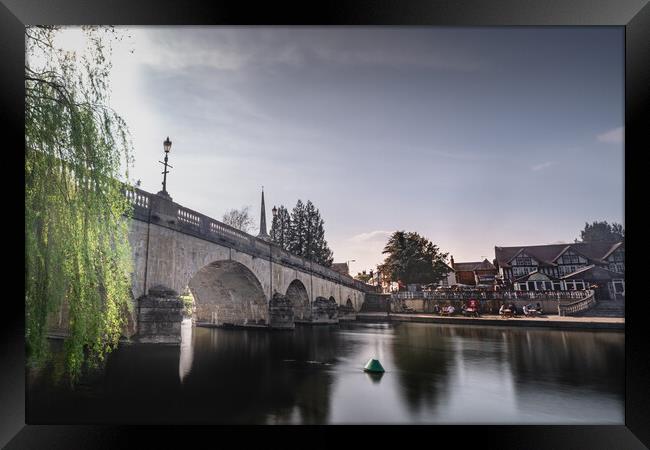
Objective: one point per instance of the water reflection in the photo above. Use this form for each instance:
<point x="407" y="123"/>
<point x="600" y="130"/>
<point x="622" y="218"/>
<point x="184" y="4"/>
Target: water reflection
<point x="187" y="349"/>
<point x="375" y="377"/>
<point x="312" y="375"/>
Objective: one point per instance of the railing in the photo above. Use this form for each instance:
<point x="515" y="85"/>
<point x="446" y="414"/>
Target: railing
<point x="575" y="307"/>
<point x="187" y="216"/>
<point x="492" y="295"/>
<point x="208" y="228"/>
<point x="138" y="198"/>
<point x="223" y="229"/>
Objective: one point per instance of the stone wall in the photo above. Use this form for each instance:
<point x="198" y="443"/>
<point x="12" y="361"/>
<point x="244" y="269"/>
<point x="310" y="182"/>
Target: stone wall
<point x="375" y="302"/>
<point x="159" y="317"/>
<point x="281" y="312"/>
<point x="324" y="310"/>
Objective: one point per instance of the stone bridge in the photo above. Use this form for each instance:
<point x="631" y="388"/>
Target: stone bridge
<point x="235" y="278"/>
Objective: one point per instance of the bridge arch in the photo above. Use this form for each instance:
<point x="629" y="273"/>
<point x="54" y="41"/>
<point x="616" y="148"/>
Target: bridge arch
<point x="226" y="292"/>
<point x="297" y="294"/>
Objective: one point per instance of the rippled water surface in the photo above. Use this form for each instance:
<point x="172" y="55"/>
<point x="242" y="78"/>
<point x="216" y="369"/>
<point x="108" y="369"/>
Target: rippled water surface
<point x="437" y="374"/>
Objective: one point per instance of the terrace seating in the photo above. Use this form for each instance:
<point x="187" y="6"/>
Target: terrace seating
<point x="532" y="311"/>
<point x="506" y="312"/>
<point x="448" y="310"/>
<point x="471" y="309"/>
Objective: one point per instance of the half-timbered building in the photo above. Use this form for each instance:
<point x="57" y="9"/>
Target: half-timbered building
<point x="597" y="265"/>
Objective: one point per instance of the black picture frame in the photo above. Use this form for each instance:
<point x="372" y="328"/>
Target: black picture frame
<point x="634" y="15"/>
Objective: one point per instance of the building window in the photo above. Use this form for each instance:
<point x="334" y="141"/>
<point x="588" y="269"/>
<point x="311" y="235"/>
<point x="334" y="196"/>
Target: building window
<point x="570" y="258"/>
<point x="521" y="271"/>
<point x="523" y="261"/>
<point x="557" y="286"/>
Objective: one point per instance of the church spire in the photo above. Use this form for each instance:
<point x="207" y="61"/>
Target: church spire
<point x="263" y="234"/>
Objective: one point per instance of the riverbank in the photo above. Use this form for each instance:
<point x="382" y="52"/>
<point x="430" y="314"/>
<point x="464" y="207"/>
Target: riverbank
<point x="563" y="322"/>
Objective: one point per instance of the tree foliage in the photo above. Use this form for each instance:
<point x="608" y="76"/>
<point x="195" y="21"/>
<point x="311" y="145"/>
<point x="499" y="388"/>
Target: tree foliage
<point x="240" y="219"/>
<point x="281" y="228"/>
<point x="602" y="232"/>
<point x="302" y="233"/>
<point x="413" y="259"/>
<point x="77" y="149"/>
<point x="363" y="276"/>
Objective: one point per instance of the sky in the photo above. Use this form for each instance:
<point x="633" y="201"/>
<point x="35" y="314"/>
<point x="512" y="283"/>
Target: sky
<point x="472" y="137"/>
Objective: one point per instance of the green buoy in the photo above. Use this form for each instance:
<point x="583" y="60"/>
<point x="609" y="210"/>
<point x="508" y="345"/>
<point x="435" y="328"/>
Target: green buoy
<point x="374" y="366"/>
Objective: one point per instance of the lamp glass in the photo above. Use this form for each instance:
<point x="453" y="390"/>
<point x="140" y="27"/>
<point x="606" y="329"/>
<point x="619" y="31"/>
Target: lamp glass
<point x="167" y="145"/>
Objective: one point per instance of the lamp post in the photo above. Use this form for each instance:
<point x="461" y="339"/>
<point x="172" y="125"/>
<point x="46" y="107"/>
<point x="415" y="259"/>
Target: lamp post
<point x="167" y="146"/>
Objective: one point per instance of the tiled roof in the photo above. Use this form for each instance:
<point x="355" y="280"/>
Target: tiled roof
<point x="598" y="272"/>
<point x="472" y="266"/>
<point x="546" y="255"/>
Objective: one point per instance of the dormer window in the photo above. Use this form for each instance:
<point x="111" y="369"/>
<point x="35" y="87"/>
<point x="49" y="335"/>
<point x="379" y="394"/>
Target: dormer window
<point x="523" y="261"/>
<point x="570" y="258"/>
<point x="619" y="256"/>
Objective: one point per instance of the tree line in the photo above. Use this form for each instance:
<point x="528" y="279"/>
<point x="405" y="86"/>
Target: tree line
<point x="301" y="232"/>
<point x="412" y="258"/>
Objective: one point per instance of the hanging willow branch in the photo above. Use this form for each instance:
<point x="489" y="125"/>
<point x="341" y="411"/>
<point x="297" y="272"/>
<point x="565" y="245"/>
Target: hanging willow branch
<point x="77" y="149"/>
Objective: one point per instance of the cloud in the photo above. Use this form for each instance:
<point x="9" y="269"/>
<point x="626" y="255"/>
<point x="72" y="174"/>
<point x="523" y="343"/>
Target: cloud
<point x="614" y="136"/>
<point x="542" y="166"/>
<point x="371" y="236"/>
<point x="234" y="49"/>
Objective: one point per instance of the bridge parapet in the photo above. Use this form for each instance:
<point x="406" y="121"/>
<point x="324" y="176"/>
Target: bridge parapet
<point x="161" y="211"/>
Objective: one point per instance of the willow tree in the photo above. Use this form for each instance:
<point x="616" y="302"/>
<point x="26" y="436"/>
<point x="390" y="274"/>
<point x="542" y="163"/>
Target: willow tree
<point x="77" y="156"/>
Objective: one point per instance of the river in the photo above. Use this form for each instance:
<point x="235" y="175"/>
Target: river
<point x="435" y="374"/>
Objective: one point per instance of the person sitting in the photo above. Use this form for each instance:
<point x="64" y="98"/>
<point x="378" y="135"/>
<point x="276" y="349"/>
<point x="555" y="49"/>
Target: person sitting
<point x="539" y="310"/>
<point x="448" y="310"/>
<point x="505" y="311"/>
<point x="471" y="309"/>
<point x="436" y="309"/>
<point x="513" y="309"/>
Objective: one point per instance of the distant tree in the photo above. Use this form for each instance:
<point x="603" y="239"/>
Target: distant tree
<point x="413" y="259"/>
<point x="322" y="253"/>
<point x="240" y="219"/>
<point x="307" y="234"/>
<point x="297" y="233"/>
<point x="281" y="228"/>
<point x="602" y="232"/>
<point x="363" y="276"/>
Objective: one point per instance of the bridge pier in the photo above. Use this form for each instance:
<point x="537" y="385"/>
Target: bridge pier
<point x="159" y="317"/>
<point x="324" y="311"/>
<point x="281" y="315"/>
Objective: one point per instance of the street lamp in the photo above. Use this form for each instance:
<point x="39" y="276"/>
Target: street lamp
<point x="167" y="147"/>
